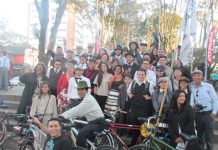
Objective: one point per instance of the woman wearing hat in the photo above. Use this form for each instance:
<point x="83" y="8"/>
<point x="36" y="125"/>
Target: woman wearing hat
<point x="184" y="85"/>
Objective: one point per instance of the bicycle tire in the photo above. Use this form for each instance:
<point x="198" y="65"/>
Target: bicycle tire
<point x="27" y="147"/>
<point x="11" y="143"/>
<point x="103" y="138"/>
<point x="77" y="148"/>
<point x="141" y="147"/>
<point x="3" y="132"/>
<point x="106" y="147"/>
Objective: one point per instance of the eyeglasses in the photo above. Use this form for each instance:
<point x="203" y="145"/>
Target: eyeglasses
<point x="197" y="93"/>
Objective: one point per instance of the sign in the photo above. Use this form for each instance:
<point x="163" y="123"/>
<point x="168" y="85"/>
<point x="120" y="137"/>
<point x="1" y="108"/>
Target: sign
<point x="210" y="45"/>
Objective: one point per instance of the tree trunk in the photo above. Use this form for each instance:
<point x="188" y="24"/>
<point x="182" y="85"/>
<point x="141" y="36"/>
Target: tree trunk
<point x="54" y="29"/>
<point x="43" y="12"/>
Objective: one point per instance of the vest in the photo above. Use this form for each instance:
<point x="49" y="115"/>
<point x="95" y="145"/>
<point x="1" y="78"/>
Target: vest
<point x="53" y="78"/>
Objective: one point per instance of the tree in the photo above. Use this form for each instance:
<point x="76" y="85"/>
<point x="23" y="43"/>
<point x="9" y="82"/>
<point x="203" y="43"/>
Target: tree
<point x="42" y="8"/>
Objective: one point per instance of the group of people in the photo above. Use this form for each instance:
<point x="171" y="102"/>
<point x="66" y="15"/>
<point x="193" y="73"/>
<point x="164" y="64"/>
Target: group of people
<point x="131" y="79"/>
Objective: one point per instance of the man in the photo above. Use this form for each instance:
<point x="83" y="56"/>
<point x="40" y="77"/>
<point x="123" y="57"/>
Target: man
<point x="4" y="71"/>
<point x="82" y="62"/>
<point x="134" y="47"/>
<point x="89" y="109"/>
<point x="54" y="75"/>
<point x="110" y="49"/>
<point x="204" y="95"/>
<point x="90" y="52"/>
<point x="143" y="48"/>
<point x="150" y="75"/>
<point x="72" y="96"/>
<point x="163" y="62"/>
<point x="55" y="139"/>
<point x="91" y="73"/>
<point x="59" y="54"/>
<point x="79" y="51"/>
<point x="69" y="57"/>
<point x="141" y="103"/>
<point x="160" y="52"/>
<point x="130" y="66"/>
<point x="118" y="55"/>
<point x="184" y="69"/>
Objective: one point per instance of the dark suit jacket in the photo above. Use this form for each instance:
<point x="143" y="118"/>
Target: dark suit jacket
<point x="133" y="69"/>
<point x="122" y="97"/>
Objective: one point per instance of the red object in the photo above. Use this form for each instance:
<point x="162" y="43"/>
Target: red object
<point x="97" y="45"/>
<point x="62" y="83"/>
<point x="210" y="46"/>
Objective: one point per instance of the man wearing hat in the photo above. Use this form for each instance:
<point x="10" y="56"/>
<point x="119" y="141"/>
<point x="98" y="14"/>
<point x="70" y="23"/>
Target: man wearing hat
<point x="204" y="95"/>
<point x="130" y="66"/>
<point x="118" y="55"/>
<point x="72" y="96"/>
<point x="89" y="109"/>
<point x="134" y="48"/>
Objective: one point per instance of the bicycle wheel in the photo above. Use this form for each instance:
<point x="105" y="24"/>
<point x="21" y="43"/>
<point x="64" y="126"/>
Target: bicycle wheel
<point x="27" y="147"/>
<point x="3" y="131"/>
<point x="103" y="138"/>
<point x="106" y="147"/>
<point x="141" y="147"/>
<point x="77" y="148"/>
<point x="11" y="143"/>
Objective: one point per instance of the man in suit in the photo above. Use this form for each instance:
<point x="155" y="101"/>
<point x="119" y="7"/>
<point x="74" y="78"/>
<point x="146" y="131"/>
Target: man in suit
<point x="118" y="55"/>
<point x="130" y="66"/>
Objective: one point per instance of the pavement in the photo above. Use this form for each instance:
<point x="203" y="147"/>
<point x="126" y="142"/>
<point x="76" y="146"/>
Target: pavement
<point x="16" y="93"/>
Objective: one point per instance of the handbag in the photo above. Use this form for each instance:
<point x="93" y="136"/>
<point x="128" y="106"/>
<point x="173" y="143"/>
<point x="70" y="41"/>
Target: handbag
<point x="41" y="119"/>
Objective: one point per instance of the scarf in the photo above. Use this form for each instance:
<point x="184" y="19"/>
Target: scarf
<point x="115" y="77"/>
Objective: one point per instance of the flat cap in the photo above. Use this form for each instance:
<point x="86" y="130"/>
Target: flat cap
<point x="197" y="72"/>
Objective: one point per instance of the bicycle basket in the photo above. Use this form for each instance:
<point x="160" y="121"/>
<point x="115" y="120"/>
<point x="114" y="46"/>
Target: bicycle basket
<point x="145" y="130"/>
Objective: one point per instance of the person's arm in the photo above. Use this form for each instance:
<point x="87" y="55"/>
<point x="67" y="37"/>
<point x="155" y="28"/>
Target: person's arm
<point x="26" y="78"/>
<point x="214" y="98"/>
<point x="171" y="126"/>
<point x="41" y="126"/>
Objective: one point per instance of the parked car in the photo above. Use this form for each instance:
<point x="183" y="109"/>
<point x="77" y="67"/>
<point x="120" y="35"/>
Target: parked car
<point x="15" y="81"/>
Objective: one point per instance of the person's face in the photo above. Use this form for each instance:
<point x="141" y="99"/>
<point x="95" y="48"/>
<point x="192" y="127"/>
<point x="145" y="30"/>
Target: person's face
<point x="69" y="55"/>
<point x="127" y="80"/>
<point x="124" y="53"/>
<point x="110" y="46"/>
<point x="143" y="48"/>
<point x="57" y="65"/>
<point x="117" y="71"/>
<point x="79" y="72"/>
<point x="104" y="58"/>
<point x="178" y="62"/>
<point x="160" y="73"/>
<point x="45" y="88"/>
<point x="163" y="84"/>
<point x="82" y="92"/>
<point x="160" y="52"/>
<point x="133" y="46"/>
<point x="162" y="61"/>
<point x="82" y="60"/>
<point x="147" y="57"/>
<point x="39" y="69"/>
<point x="181" y="99"/>
<point x="129" y="59"/>
<point x="197" y="78"/>
<point x="155" y="52"/>
<point x="183" y="85"/>
<point x="78" y="50"/>
<point x="177" y="73"/>
<point x="70" y="71"/>
<point x="141" y="76"/>
<point x="54" y="129"/>
<point x="92" y="64"/>
<point x="102" y="52"/>
<point x="145" y="65"/>
<point x="59" y="51"/>
<point x="115" y="63"/>
<point x="118" y="52"/>
<point x="104" y="68"/>
<point x="90" y="49"/>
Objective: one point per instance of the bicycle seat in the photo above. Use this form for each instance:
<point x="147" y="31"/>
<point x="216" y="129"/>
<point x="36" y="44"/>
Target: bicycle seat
<point x="188" y="137"/>
<point x="3" y="106"/>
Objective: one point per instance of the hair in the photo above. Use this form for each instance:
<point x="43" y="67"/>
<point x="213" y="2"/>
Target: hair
<point x="100" y="73"/>
<point x="43" y="66"/>
<point x="119" y="66"/>
<point x="58" y="60"/>
<point x="146" y="60"/>
<point x="59" y="47"/>
<point x="152" y="55"/>
<point x="125" y="49"/>
<point x="40" y="91"/>
<point x="106" y="55"/>
<point x="175" y="96"/>
<point x="137" y="45"/>
<point x="55" y="119"/>
<point x="142" y="70"/>
<point x="69" y="65"/>
<point x="115" y="60"/>
<point x="162" y="57"/>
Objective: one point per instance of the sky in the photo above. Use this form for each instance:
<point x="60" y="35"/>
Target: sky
<point x="15" y="12"/>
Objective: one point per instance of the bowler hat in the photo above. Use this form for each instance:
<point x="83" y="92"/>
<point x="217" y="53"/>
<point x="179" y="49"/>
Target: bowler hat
<point x="82" y="85"/>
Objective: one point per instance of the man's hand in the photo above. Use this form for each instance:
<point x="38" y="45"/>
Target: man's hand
<point x="147" y="97"/>
<point x="130" y="95"/>
<point x="178" y="140"/>
<point x="36" y="121"/>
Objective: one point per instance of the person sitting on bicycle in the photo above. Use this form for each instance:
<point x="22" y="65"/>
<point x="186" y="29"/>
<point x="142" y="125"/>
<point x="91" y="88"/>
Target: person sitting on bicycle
<point x="55" y="139"/>
<point x="89" y="109"/>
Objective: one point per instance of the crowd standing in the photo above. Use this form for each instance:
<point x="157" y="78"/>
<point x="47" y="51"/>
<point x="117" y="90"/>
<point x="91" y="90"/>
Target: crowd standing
<point x="133" y="79"/>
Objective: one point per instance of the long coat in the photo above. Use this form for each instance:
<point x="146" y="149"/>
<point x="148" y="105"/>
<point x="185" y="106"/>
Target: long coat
<point x="30" y="82"/>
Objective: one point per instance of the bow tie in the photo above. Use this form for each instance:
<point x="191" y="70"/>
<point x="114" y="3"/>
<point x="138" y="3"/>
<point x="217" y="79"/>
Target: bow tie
<point x="78" y="78"/>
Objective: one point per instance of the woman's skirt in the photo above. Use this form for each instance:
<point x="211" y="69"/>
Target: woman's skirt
<point x="111" y="104"/>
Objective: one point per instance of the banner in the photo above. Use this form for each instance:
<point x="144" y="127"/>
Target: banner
<point x="210" y="45"/>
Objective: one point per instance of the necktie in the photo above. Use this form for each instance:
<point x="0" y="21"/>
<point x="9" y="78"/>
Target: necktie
<point x="162" y="90"/>
<point x="129" y="66"/>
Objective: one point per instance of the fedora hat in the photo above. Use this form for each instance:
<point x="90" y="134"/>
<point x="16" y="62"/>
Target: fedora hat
<point x="82" y="85"/>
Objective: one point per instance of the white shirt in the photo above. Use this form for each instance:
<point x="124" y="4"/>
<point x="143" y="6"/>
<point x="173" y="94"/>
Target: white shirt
<point x="150" y="76"/>
<point x="49" y="70"/>
<point x="5" y="62"/>
<point x="72" y="87"/>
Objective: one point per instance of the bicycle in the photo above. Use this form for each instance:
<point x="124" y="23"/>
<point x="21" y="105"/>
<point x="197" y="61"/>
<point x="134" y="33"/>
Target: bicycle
<point x="25" y="136"/>
<point x="3" y="128"/>
<point x="152" y="142"/>
<point x="101" y="140"/>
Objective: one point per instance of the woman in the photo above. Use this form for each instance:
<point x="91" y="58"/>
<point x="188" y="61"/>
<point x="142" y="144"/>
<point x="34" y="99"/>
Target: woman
<point x="101" y="83"/>
<point x="181" y="118"/>
<point x="105" y="58"/>
<point x="116" y="83"/>
<point x="154" y="56"/>
<point x="44" y="104"/>
<point x="62" y="87"/>
<point x="184" y="85"/>
<point x="114" y="63"/>
<point x="32" y="81"/>
<point x="175" y="82"/>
